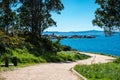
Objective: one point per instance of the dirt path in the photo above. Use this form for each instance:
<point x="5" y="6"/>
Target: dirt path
<point x="52" y="71"/>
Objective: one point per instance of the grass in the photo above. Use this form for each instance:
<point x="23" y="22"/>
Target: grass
<point x="24" y="58"/>
<point x="106" y="71"/>
<point x="64" y="56"/>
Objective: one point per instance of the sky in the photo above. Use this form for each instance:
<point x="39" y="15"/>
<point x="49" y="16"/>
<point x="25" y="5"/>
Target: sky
<point x="77" y="15"/>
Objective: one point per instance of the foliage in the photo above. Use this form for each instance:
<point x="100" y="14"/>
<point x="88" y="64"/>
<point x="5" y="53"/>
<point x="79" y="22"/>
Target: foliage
<point x="24" y="57"/>
<point x="11" y="41"/>
<point x="7" y="42"/>
<point x="36" y="46"/>
<point x="107" y="15"/>
<point x="35" y="15"/>
<point x="27" y="45"/>
<point x="1" y="33"/>
<point x="7" y="16"/>
<point x="35" y="50"/>
<point x="64" y="56"/>
<point x="106" y="71"/>
<point x="28" y="15"/>
<point x="117" y="60"/>
<point x="66" y="48"/>
<point x="39" y="46"/>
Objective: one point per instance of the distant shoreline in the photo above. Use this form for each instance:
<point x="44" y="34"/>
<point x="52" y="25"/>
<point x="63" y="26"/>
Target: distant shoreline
<point x="99" y="44"/>
<point x="72" y="31"/>
<point x="53" y="36"/>
<point x="106" y="54"/>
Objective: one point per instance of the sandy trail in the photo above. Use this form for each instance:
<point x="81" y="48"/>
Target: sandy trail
<point x="52" y="71"/>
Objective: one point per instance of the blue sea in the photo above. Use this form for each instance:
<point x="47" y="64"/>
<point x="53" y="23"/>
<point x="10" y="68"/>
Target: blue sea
<point x="100" y="44"/>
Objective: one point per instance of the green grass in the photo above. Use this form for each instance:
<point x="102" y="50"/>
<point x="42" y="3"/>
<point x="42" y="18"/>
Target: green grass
<point x="64" y="56"/>
<point x="106" y="71"/>
<point x="24" y="58"/>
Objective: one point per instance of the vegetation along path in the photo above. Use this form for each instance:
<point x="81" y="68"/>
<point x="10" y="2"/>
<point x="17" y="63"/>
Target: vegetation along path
<point x="53" y="71"/>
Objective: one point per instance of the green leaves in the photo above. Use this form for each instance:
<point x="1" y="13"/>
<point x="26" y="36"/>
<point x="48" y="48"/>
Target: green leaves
<point x="37" y="14"/>
<point x="32" y="15"/>
<point x="107" y="15"/>
<point x="7" y="16"/>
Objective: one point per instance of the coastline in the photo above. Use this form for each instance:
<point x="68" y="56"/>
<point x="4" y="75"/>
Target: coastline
<point x="54" y="71"/>
<point x="99" y="53"/>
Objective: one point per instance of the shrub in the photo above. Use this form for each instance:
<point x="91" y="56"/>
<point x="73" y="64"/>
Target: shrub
<point x="117" y="60"/>
<point x="66" y="48"/>
<point x="23" y="56"/>
<point x="11" y="41"/>
<point x="64" y="56"/>
<point x="39" y="46"/>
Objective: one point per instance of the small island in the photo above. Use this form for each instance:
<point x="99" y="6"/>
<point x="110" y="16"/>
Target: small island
<point x="52" y="36"/>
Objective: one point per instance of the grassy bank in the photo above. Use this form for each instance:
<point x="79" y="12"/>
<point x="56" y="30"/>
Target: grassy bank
<point x="106" y="71"/>
<point x="24" y="58"/>
<point x="33" y="49"/>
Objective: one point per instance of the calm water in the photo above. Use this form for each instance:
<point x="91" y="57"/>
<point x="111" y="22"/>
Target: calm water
<point x="100" y="44"/>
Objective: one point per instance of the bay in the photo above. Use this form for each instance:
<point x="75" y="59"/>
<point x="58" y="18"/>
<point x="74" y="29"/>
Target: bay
<point x="100" y="44"/>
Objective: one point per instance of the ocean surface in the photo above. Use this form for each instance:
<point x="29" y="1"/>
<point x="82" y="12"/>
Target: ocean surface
<point x="100" y="44"/>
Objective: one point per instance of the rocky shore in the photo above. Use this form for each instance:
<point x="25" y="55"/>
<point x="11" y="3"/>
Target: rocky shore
<point x="73" y="36"/>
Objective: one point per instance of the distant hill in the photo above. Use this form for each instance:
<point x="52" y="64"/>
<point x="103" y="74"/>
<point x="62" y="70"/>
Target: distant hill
<point x="90" y="32"/>
<point x="73" y="31"/>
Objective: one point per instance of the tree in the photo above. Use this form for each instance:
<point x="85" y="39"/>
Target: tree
<point x="7" y="16"/>
<point x="35" y="15"/>
<point x="107" y="16"/>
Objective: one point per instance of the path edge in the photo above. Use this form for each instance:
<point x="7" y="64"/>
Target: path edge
<point x="79" y="75"/>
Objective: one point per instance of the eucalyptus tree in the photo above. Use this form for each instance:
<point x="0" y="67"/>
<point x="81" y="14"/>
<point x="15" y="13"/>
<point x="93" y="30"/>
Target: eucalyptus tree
<point x="7" y="16"/>
<point x="107" y="16"/>
<point x="35" y="15"/>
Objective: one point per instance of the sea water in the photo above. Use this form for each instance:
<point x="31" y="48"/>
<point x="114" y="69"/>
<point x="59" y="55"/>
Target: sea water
<point x="100" y="44"/>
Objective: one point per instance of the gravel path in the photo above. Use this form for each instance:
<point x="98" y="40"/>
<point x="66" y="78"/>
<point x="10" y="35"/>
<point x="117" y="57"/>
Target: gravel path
<point x="52" y="71"/>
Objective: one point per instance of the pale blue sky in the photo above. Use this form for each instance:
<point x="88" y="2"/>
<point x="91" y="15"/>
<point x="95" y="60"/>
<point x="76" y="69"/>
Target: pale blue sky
<point x="76" y="16"/>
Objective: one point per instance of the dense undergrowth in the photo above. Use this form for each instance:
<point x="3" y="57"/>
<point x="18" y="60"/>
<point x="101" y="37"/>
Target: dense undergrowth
<point x="23" y="56"/>
<point x="106" y="71"/>
<point x="31" y="49"/>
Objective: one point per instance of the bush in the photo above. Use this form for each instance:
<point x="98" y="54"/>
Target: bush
<point x="36" y="45"/>
<point x="23" y="56"/>
<point x="11" y="41"/>
<point x="39" y="46"/>
<point x="66" y="48"/>
<point x="117" y="60"/>
<point x="64" y="56"/>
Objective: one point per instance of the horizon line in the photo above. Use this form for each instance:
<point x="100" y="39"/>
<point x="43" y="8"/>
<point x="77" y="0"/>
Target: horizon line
<point x="72" y="31"/>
